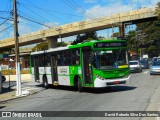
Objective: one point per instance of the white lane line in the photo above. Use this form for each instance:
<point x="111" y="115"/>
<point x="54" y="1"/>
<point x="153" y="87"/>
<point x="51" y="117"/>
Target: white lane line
<point x="145" y="72"/>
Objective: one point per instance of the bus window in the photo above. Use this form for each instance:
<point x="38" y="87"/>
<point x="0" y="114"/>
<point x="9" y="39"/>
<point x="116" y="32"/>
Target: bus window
<point x="60" y="59"/>
<point x="48" y="60"/>
<point x="67" y="58"/>
<point x="75" y="57"/>
<point x="41" y="60"/>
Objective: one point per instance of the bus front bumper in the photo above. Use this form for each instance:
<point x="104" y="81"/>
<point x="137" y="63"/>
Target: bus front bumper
<point x="110" y="82"/>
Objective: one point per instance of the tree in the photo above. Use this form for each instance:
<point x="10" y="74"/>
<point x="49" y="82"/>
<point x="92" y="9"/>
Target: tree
<point x="116" y="34"/>
<point x="7" y="50"/>
<point x="132" y="40"/>
<point x="150" y="35"/>
<point x="41" y="46"/>
<point x="44" y="46"/>
<point x="158" y="10"/>
<point x="61" y="44"/>
<point x="85" y="36"/>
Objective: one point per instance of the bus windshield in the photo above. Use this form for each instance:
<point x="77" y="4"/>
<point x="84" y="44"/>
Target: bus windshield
<point x="107" y="60"/>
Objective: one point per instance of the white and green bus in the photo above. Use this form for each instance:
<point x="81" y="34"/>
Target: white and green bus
<point x="97" y="63"/>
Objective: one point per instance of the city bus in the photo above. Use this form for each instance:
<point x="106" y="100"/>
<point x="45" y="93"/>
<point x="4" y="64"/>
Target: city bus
<point x="96" y="63"/>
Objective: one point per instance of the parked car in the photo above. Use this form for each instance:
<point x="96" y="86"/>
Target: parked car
<point x="145" y="64"/>
<point x="135" y="66"/>
<point x="155" y="68"/>
<point x="150" y="61"/>
<point x="154" y="59"/>
<point x="158" y="59"/>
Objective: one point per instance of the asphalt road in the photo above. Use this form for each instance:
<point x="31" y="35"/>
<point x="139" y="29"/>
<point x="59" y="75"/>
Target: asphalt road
<point x="134" y="96"/>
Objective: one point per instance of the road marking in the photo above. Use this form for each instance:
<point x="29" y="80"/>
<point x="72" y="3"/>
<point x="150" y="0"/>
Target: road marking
<point x="145" y="72"/>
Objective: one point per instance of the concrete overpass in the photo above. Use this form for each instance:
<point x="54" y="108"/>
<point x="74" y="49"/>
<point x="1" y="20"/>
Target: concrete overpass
<point x="136" y="16"/>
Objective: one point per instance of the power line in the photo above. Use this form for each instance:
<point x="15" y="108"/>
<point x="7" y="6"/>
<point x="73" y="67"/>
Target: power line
<point x="82" y="9"/>
<point x="7" y="19"/>
<point x="4" y="21"/>
<point x="40" y="15"/>
<point x="5" y="11"/>
<point x="51" y="11"/>
<point x="6" y="28"/>
<point x="4" y="18"/>
<point x="33" y="12"/>
<point x="74" y="7"/>
<point x="33" y="21"/>
<point x="29" y="16"/>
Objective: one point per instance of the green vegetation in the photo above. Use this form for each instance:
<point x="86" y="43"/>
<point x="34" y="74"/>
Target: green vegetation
<point x="44" y="46"/>
<point x="147" y="34"/>
<point x="85" y="36"/>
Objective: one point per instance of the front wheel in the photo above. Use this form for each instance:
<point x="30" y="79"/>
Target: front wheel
<point x="45" y="82"/>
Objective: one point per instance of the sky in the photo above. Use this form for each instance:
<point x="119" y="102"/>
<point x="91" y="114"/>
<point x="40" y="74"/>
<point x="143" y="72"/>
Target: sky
<point x="35" y="15"/>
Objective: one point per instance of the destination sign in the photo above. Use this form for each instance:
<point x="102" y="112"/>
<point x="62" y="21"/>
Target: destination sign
<point x="112" y="44"/>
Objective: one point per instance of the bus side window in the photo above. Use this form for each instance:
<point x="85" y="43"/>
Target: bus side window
<point x="67" y="57"/>
<point x="47" y="60"/>
<point x="41" y="60"/>
<point x="60" y="59"/>
<point x="75" y="57"/>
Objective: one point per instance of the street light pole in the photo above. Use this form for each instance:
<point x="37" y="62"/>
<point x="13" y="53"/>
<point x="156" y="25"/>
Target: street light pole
<point x="18" y="76"/>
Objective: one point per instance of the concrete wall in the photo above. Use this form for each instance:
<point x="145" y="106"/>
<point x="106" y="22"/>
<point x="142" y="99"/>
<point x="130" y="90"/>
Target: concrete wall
<point x="24" y="77"/>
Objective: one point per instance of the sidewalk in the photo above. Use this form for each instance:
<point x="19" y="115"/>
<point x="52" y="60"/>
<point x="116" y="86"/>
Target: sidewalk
<point x="28" y="88"/>
<point x="154" y="104"/>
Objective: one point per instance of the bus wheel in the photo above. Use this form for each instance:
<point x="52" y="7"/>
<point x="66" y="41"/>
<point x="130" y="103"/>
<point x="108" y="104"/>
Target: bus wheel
<point x="45" y="82"/>
<point x="80" y="88"/>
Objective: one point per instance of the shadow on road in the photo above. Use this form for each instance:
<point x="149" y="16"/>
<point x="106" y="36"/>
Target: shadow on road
<point x="109" y="90"/>
<point x="2" y="107"/>
<point x="6" y="84"/>
<point x="6" y="90"/>
<point x="96" y="90"/>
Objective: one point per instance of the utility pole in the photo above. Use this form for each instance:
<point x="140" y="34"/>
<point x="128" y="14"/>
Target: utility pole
<point x="18" y="75"/>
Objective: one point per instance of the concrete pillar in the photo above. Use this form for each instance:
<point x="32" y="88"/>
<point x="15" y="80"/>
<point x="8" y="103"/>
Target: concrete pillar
<point x="121" y="30"/>
<point x="52" y="42"/>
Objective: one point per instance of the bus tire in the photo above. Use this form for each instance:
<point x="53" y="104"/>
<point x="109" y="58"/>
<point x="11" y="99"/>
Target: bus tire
<point x="45" y="82"/>
<point x="80" y="88"/>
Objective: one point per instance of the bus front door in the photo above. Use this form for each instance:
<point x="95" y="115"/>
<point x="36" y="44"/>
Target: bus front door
<point x="36" y="70"/>
<point x="54" y="68"/>
<point x="87" y="65"/>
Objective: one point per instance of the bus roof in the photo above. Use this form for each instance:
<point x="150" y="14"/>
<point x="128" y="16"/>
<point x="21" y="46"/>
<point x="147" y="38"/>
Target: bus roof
<point x="79" y="45"/>
<point x="92" y="42"/>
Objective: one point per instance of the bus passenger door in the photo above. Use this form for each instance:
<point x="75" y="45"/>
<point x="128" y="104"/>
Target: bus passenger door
<point x="36" y="70"/>
<point x="87" y="65"/>
<point x="54" y="68"/>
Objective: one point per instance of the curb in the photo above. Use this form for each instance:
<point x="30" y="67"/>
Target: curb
<point x="14" y="98"/>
